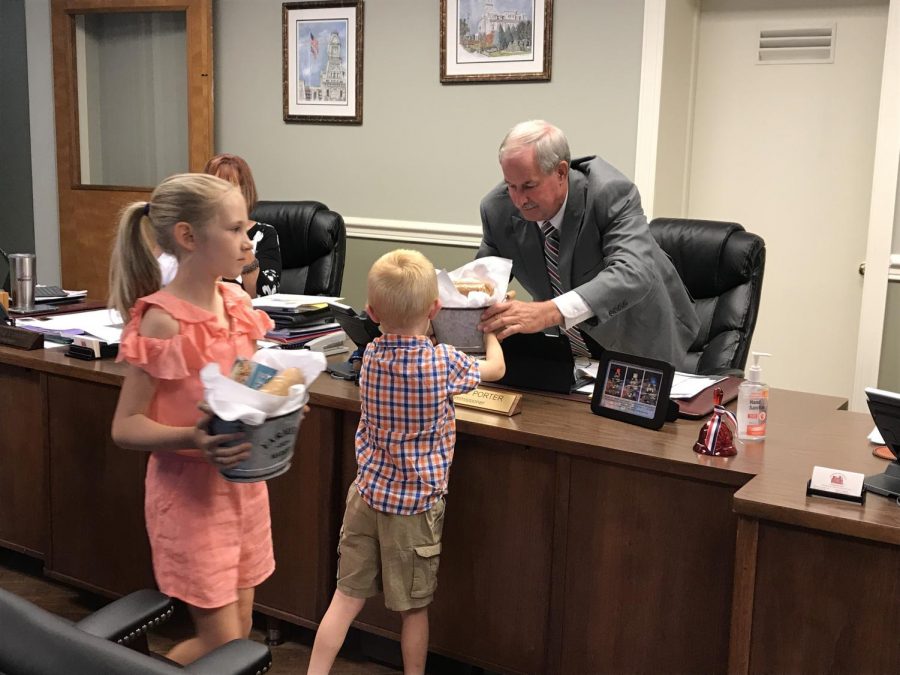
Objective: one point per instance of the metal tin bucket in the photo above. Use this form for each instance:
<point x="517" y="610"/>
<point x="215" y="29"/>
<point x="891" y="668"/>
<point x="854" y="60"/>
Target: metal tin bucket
<point x="458" y="326"/>
<point x="273" y="446"/>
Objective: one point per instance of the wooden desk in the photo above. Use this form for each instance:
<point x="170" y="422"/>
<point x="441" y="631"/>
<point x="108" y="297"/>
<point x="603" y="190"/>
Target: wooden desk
<point x="572" y="543"/>
<point x="818" y="587"/>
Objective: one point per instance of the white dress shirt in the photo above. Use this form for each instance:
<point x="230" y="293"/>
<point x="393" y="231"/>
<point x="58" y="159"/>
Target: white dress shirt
<point x="168" y="267"/>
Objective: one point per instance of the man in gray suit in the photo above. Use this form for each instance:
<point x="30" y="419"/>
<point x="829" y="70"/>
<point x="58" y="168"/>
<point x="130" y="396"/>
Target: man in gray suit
<point x="580" y="245"/>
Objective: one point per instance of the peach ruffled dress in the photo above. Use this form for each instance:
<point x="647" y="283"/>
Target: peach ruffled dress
<point x="209" y="537"/>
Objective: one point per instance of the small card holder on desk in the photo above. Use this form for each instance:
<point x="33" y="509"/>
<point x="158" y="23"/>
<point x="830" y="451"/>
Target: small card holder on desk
<point x="837" y="484"/>
<point x="17" y="337"/>
<point x="90" y="348"/>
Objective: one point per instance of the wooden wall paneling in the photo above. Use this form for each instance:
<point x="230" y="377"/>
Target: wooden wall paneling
<point x="824" y="603"/>
<point x="492" y="604"/>
<point x="557" y="606"/>
<point x="348" y="424"/>
<point x="98" y="539"/>
<point x="496" y="569"/>
<point x="649" y="589"/>
<point x="23" y="463"/>
<point x="742" y="599"/>
<point x="304" y="527"/>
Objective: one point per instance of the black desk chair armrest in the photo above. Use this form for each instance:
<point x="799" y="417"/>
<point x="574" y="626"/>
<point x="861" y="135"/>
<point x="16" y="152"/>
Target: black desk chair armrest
<point x="128" y="617"/>
<point x="240" y="657"/>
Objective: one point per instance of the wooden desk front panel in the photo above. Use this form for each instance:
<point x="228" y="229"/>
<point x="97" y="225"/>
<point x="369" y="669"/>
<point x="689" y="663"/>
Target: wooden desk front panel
<point x="23" y="461"/>
<point x="824" y="603"/>
<point x="305" y="524"/>
<point x="650" y="559"/>
<point x="98" y="537"/>
<point x="492" y="606"/>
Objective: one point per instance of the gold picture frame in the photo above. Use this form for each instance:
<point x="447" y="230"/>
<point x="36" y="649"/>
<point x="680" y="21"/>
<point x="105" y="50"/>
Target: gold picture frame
<point x="496" y="40"/>
<point x="322" y="61"/>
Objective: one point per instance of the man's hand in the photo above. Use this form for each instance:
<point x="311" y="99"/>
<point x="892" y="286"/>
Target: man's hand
<point x="514" y="316"/>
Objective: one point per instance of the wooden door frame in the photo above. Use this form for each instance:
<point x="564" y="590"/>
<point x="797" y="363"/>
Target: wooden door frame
<point x="84" y="247"/>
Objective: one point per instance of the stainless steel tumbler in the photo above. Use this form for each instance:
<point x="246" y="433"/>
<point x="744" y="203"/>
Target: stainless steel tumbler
<point x="23" y="274"/>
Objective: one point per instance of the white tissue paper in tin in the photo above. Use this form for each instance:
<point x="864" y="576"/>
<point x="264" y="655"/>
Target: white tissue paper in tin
<point x="232" y="400"/>
<point x="493" y="269"/>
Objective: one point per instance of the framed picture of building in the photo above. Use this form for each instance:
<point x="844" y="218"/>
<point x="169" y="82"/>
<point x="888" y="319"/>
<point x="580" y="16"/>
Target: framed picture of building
<point x="495" y="40"/>
<point x="322" y="69"/>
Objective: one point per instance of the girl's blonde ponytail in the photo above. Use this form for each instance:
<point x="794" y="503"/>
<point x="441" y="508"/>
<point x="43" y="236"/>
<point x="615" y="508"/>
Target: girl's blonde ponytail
<point x="133" y="271"/>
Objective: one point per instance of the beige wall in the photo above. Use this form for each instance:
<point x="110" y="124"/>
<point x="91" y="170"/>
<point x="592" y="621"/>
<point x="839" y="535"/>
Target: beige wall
<point x="788" y="151"/>
<point x="425" y="151"/>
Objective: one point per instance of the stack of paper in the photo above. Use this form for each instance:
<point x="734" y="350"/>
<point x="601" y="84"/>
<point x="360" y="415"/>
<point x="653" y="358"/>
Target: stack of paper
<point x="295" y="311"/>
<point x="105" y="324"/>
<point x="686" y="385"/>
<point x="298" y="337"/>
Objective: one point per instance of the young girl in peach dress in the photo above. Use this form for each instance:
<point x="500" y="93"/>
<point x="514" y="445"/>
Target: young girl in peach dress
<point x="211" y="539"/>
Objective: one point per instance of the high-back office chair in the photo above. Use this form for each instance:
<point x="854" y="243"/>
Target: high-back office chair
<point x="36" y="642"/>
<point x="722" y="267"/>
<point x="313" y="245"/>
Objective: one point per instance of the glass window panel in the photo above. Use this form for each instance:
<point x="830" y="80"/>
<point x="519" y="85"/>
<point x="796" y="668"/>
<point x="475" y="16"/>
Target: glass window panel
<point x="132" y="97"/>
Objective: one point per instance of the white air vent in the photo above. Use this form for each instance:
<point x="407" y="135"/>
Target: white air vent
<point x="796" y="45"/>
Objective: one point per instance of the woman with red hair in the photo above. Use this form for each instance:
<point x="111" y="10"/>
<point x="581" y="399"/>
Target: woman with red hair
<point x="262" y="274"/>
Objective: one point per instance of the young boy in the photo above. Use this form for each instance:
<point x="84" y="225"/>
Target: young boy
<point x="391" y="535"/>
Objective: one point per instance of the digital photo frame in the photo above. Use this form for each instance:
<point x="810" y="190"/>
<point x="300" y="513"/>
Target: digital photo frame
<point x="634" y="389"/>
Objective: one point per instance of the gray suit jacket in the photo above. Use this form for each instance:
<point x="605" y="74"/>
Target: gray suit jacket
<point x="608" y="256"/>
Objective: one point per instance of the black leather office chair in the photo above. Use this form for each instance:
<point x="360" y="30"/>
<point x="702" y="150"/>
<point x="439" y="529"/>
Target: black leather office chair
<point x="36" y="642"/>
<point x="313" y="243"/>
<point x="722" y="267"/>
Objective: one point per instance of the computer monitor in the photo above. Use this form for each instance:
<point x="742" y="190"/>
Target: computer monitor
<point x="885" y="409"/>
<point x="540" y="361"/>
<point x="358" y="327"/>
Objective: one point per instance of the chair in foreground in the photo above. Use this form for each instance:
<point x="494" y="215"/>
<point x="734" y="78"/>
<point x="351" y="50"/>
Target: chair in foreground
<point x="313" y="244"/>
<point x="36" y="642"/>
<point x="722" y="267"/>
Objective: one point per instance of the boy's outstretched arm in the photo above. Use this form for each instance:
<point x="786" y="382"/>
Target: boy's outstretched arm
<point x="492" y="366"/>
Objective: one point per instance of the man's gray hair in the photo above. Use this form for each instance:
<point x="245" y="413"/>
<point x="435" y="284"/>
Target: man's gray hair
<point x="550" y="144"/>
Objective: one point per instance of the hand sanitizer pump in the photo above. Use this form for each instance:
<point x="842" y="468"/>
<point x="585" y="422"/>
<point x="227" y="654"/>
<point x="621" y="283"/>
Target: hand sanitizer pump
<point x="753" y="403"/>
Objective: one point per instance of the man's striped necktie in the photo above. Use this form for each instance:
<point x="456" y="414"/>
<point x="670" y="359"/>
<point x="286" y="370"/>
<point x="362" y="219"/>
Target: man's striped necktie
<point x="551" y="255"/>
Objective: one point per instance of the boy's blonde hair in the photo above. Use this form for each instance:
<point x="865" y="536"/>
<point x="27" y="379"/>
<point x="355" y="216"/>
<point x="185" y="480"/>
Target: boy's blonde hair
<point x="402" y="287"/>
<point x="193" y="198"/>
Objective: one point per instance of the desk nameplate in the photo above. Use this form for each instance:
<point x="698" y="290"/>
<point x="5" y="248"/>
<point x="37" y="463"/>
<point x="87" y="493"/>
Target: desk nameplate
<point x="20" y="338"/>
<point x="491" y="400"/>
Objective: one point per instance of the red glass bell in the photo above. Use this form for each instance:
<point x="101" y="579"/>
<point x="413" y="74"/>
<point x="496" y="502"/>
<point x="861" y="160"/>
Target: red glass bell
<point x="717" y="433"/>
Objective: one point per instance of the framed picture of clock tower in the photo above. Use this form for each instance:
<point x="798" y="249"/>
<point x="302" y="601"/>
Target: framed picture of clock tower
<point x="323" y="61"/>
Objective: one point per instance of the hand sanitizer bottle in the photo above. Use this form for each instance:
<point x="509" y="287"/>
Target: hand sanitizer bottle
<point x="753" y="403"/>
